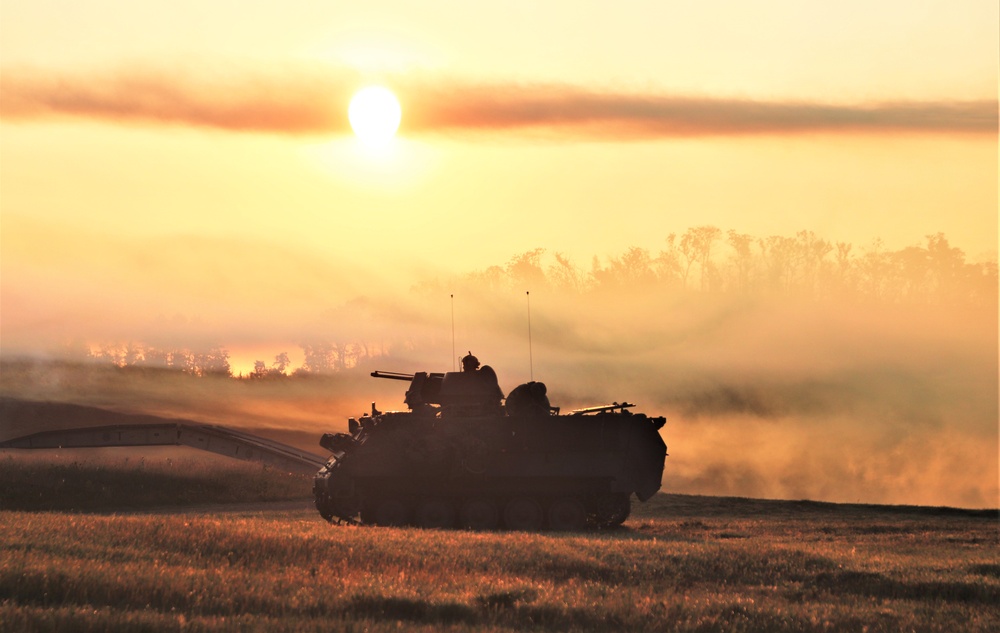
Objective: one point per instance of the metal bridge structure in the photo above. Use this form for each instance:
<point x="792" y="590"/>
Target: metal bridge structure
<point x="153" y="431"/>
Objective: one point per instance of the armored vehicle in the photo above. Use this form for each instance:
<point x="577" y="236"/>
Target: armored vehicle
<point x="465" y="456"/>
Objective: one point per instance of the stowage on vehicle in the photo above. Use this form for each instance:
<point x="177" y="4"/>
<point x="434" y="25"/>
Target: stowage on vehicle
<point x="465" y="456"/>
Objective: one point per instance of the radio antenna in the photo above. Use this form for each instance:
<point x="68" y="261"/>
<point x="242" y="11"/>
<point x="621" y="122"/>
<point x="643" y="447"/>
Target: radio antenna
<point x="453" y="367"/>
<point x="531" y="361"/>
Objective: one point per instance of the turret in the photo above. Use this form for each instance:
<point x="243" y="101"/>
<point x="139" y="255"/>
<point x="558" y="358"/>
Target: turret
<point x="473" y="391"/>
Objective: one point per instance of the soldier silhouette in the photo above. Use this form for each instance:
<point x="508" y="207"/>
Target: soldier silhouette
<point x="470" y="363"/>
<point x="483" y="383"/>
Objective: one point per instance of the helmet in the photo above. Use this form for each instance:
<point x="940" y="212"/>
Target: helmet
<point x="470" y="363"/>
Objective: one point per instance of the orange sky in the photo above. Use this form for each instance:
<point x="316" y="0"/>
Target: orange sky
<point x="184" y="171"/>
<point x="134" y="132"/>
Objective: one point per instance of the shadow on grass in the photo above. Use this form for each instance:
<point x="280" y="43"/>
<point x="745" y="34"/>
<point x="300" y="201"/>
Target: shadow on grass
<point x="986" y="569"/>
<point x="497" y="610"/>
<point x="37" y="486"/>
<point x="411" y="610"/>
<point x="697" y="506"/>
<point x="876" y="585"/>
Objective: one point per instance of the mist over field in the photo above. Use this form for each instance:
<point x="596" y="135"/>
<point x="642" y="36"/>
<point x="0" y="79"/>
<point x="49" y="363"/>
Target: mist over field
<point x="864" y="375"/>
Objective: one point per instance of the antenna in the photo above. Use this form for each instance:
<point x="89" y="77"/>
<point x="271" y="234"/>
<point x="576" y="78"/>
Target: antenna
<point x="453" y="368"/>
<point x="531" y="361"/>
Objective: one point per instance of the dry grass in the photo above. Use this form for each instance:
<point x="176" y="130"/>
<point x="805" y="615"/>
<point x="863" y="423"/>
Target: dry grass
<point x="111" y="479"/>
<point x="681" y="563"/>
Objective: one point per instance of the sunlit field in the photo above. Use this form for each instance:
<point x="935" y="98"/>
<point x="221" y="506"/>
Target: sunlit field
<point x="681" y="563"/>
<point x="110" y="480"/>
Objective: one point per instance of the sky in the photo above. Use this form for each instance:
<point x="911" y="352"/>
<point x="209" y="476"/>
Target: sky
<point x="161" y="118"/>
<point x="186" y="169"/>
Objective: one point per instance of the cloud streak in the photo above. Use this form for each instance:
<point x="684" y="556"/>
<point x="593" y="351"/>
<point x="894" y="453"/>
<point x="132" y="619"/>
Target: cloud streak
<point x="313" y="101"/>
<point x="299" y="105"/>
<point x="629" y="115"/>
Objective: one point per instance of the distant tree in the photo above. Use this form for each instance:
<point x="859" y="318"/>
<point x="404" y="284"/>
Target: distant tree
<point x="983" y="284"/>
<point x="320" y="358"/>
<point x="773" y="256"/>
<point x="134" y="354"/>
<point x="154" y="357"/>
<point x="634" y="269"/>
<point x="493" y="278"/>
<point x="874" y="270"/>
<point x="281" y="363"/>
<point x="812" y="264"/>
<point x="911" y="266"/>
<point x="214" y="362"/>
<point x="181" y="360"/>
<point x="947" y="267"/>
<point x="276" y="370"/>
<point x="259" y="370"/>
<point x="365" y="351"/>
<point x="742" y="259"/>
<point x="667" y="264"/>
<point x="525" y="270"/>
<point x="108" y="353"/>
<point x="564" y="275"/>
<point x="696" y="246"/>
<point x="844" y="267"/>
<point x="688" y="249"/>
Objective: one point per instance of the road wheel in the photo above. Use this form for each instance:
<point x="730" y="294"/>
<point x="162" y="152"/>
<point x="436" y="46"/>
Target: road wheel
<point x="479" y="514"/>
<point x="435" y="513"/>
<point x="567" y="515"/>
<point x="392" y="512"/>
<point x="523" y="513"/>
<point x="325" y="507"/>
<point x="612" y="509"/>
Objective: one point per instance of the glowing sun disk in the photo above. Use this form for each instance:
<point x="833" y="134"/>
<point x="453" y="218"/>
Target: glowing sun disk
<point x="374" y="114"/>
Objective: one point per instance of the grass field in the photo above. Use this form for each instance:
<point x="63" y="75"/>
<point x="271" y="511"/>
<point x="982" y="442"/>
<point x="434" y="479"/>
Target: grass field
<point x="110" y="479"/>
<point x="681" y="563"/>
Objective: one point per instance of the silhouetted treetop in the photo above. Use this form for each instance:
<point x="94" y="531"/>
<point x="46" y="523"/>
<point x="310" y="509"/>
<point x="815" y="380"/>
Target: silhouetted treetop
<point x="707" y="260"/>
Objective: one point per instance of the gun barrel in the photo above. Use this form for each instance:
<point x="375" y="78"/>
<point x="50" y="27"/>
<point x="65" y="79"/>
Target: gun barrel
<point x="603" y="408"/>
<point x="392" y="375"/>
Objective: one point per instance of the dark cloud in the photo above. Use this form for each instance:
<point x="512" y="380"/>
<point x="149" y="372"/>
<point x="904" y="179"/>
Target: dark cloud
<point x="570" y="110"/>
<point x="313" y="101"/>
<point x="298" y="103"/>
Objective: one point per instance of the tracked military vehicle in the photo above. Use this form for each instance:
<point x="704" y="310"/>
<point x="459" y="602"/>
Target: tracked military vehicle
<point x="465" y="456"/>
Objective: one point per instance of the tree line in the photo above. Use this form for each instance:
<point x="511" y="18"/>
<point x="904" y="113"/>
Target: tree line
<point x="138" y="356"/>
<point x="319" y="358"/>
<point x="706" y="259"/>
<point x="702" y="260"/>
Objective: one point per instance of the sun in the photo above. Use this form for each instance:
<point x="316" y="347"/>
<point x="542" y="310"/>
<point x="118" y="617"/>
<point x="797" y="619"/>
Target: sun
<point x="374" y="114"/>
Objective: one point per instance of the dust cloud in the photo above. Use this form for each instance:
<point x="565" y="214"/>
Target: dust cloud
<point x="798" y="386"/>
